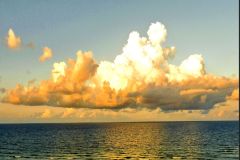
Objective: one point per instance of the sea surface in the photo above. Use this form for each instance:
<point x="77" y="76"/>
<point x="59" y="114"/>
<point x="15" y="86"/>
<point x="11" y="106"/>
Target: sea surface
<point x="146" y="140"/>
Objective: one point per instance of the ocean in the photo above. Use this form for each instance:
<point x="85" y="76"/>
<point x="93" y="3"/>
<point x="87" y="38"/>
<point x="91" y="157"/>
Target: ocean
<point x="140" y="140"/>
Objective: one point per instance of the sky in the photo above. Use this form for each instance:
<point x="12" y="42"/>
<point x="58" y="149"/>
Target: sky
<point x="87" y="61"/>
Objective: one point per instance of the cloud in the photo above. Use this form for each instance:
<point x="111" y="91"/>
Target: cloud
<point x="140" y="77"/>
<point x="2" y="90"/>
<point x="46" y="114"/>
<point x="234" y="95"/>
<point x="68" y="112"/>
<point x="47" y="54"/>
<point x="30" y="45"/>
<point x="13" y="113"/>
<point x="157" y="33"/>
<point x="12" y="40"/>
<point x="229" y="108"/>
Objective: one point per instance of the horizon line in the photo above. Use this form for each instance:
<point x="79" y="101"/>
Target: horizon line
<point x="119" y="122"/>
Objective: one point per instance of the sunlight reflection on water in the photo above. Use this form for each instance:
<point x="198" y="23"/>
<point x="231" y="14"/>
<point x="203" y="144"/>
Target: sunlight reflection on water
<point x="163" y="140"/>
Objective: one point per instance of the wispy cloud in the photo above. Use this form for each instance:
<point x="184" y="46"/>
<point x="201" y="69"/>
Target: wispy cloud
<point x="47" y="54"/>
<point x="2" y="90"/>
<point x="46" y="114"/>
<point x="30" y="45"/>
<point x="13" y="113"/>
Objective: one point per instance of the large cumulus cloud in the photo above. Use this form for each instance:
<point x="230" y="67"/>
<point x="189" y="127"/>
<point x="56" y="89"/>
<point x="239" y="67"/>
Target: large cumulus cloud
<point x="139" y="77"/>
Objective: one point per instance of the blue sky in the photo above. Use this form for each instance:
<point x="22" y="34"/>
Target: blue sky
<point x="208" y="27"/>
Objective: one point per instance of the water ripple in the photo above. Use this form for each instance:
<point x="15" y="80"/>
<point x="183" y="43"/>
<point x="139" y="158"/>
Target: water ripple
<point x="164" y="140"/>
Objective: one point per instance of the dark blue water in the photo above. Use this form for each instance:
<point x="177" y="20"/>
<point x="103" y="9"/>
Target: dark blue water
<point x="161" y="140"/>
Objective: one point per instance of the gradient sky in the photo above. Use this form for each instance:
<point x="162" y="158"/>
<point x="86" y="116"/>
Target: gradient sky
<point x="209" y="28"/>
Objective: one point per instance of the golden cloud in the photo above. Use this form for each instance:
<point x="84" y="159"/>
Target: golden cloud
<point x="234" y="95"/>
<point x="13" y="41"/>
<point x="47" y="54"/>
<point x="46" y="114"/>
<point x="140" y="77"/>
